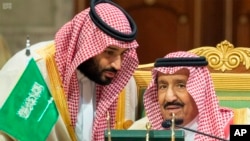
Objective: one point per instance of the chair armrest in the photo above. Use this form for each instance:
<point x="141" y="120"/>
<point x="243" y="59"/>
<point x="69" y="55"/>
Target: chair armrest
<point x="241" y="116"/>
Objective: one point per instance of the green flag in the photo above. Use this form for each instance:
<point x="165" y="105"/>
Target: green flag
<point x="29" y="113"/>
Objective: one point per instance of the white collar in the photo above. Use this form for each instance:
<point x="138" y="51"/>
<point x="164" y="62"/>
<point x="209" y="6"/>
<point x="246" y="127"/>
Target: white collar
<point x="189" y="135"/>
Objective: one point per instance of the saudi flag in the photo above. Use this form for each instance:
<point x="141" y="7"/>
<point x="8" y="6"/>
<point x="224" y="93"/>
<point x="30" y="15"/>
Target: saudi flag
<point x="29" y="113"/>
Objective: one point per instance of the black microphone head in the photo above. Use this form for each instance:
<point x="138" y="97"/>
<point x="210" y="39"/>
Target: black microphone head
<point x="166" y="123"/>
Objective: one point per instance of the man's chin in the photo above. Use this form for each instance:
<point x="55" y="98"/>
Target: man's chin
<point x="177" y="120"/>
<point x="104" y="81"/>
<point x="176" y="117"/>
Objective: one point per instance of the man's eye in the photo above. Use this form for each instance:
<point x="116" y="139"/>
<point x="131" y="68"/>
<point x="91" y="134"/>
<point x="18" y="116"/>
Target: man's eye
<point x="181" y="85"/>
<point x="162" y="86"/>
<point x="109" y="52"/>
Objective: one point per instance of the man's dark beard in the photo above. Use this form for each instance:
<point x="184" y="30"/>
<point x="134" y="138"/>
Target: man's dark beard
<point x="91" y="70"/>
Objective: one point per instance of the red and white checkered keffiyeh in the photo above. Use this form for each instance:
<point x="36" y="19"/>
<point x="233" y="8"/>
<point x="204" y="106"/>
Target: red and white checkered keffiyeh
<point x="79" y="40"/>
<point x="212" y="119"/>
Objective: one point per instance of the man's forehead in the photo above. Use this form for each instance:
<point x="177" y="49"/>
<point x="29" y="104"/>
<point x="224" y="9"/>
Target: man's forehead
<point x="117" y="48"/>
<point x="182" y="71"/>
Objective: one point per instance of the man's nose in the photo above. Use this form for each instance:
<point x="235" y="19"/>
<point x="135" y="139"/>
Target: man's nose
<point x="117" y="63"/>
<point x="170" y="95"/>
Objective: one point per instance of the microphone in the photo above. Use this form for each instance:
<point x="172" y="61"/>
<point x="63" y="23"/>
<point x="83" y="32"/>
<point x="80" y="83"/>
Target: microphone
<point x="168" y="123"/>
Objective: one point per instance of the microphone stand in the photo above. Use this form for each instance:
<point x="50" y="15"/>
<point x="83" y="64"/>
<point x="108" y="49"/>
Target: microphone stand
<point x="108" y="124"/>
<point x="172" y="127"/>
<point x="148" y="127"/>
<point x="176" y="123"/>
<point x="201" y="133"/>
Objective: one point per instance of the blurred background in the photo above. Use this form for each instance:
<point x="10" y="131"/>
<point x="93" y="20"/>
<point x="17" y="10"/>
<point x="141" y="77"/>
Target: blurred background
<point x="163" y="25"/>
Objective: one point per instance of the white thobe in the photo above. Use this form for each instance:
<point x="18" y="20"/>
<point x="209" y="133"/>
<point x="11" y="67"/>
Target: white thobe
<point x="86" y="113"/>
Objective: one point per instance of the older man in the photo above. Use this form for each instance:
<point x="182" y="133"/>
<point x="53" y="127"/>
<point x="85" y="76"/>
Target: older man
<point x="182" y="88"/>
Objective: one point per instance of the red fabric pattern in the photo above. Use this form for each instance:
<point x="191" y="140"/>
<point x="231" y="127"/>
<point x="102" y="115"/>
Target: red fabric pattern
<point x="79" y="40"/>
<point x="211" y="118"/>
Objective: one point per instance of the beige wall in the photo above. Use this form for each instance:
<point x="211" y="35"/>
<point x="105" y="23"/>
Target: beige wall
<point x="4" y="51"/>
<point x="40" y="19"/>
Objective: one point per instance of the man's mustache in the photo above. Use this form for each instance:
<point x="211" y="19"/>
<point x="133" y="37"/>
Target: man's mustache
<point x="173" y="103"/>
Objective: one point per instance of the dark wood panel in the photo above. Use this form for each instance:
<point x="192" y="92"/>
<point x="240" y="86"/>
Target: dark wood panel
<point x="163" y="26"/>
<point x="170" y="25"/>
<point x="241" y="23"/>
<point x="212" y="22"/>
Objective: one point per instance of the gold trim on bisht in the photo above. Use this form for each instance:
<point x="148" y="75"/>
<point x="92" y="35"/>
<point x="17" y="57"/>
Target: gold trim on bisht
<point x="56" y="87"/>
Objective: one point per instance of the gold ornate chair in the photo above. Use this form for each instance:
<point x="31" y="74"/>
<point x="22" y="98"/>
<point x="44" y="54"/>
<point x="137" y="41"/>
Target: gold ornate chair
<point x="230" y="71"/>
<point x="127" y="106"/>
